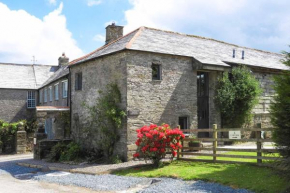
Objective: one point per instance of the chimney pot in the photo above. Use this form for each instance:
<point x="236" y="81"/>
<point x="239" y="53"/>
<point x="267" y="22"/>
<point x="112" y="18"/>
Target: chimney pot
<point x="113" y="32"/>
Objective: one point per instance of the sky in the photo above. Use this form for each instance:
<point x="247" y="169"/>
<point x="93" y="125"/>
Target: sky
<point x="47" y="28"/>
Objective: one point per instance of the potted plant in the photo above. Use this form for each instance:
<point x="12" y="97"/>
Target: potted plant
<point x="194" y="142"/>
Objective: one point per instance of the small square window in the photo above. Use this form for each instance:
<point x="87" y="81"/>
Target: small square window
<point x="156" y="72"/>
<point x="183" y="122"/>
<point x="78" y="81"/>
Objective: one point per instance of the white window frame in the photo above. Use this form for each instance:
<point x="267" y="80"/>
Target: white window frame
<point x="50" y="93"/>
<point x="56" y="91"/>
<point x="45" y="95"/>
<point x="64" y="88"/>
<point x="31" y="102"/>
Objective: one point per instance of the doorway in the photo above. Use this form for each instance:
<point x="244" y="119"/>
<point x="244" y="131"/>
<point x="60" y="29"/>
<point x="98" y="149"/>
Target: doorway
<point x="203" y="103"/>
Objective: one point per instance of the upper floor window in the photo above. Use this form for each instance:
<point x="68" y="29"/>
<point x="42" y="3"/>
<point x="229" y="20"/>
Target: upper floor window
<point x="56" y="91"/>
<point x="156" y="72"/>
<point x="78" y="81"/>
<point x="31" y="99"/>
<point x="64" y="89"/>
<point x="40" y="96"/>
<point x="50" y="93"/>
<point x="45" y="95"/>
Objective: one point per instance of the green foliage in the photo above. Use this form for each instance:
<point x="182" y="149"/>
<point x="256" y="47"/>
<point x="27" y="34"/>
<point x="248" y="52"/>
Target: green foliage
<point x="8" y="130"/>
<point x="57" y="151"/>
<point x="106" y="117"/>
<point x="236" y="95"/>
<point x="115" y="159"/>
<point x="280" y="112"/>
<point x="62" y="152"/>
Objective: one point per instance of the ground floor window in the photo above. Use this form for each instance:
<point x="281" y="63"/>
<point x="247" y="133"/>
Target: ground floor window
<point x="31" y="99"/>
<point x="183" y="122"/>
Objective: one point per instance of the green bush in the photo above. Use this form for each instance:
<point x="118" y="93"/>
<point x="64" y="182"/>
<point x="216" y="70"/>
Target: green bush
<point x="237" y="93"/>
<point x="280" y="113"/>
<point x="65" y="152"/>
<point x="57" y="151"/>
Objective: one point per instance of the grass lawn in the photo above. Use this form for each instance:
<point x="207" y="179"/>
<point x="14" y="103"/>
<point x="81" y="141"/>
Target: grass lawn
<point x="258" y="179"/>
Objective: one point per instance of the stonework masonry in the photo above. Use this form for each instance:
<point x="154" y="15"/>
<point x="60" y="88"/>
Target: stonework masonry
<point x="159" y="101"/>
<point x="96" y="74"/>
<point x="13" y="105"/>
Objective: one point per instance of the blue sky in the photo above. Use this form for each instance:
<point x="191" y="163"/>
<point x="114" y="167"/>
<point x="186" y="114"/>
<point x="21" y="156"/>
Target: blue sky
<point x="46" y="28"/>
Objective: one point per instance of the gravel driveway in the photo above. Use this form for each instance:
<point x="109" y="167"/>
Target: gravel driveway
<point x="108" y="182"/>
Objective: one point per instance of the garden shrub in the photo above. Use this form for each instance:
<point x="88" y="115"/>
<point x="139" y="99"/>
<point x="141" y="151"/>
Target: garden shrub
<point x="237" y="93"/>
<point x="153" y="141"/>
<point x="72" y="152"/>
<point x="280" y="113"/>
<point x="57" y="151"/>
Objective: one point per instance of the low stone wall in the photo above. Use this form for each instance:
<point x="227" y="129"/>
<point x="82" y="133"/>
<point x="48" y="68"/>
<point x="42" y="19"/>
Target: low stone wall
<point x="45" y="146"/>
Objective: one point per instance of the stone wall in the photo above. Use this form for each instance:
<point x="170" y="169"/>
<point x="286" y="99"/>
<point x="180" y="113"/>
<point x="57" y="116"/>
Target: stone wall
<point x="159" y="101"/>
<point x="261" y="111"/>
<point x="64" y="102"/>
<point x="13" y="105"/>
<point x="96" y="74"/>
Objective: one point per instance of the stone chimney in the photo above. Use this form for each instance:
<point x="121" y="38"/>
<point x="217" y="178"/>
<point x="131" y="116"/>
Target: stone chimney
<point x="113" y="32"/>
<point x="63" y="60"/>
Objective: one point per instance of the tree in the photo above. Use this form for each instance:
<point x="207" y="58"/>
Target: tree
<point x="237" y="93"/>
<point x="280" y="110"/>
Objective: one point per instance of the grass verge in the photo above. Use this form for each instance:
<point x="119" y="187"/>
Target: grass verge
<point x="258" y="179"/>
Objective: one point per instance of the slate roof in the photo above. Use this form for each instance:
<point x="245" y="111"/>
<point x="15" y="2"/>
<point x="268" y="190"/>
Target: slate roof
<point x="22" y="76"/>
<point x="61" y="72"/>
<point x="205" y="50"/>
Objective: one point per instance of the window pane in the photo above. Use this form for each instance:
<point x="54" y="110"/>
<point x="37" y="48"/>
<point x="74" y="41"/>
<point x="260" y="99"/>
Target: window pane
<point x="156" y="72"/>
<point x="183" y="122"/>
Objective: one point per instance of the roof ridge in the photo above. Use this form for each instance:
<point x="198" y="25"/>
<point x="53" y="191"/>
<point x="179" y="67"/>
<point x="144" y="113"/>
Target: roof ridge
<point x="201" y="37"/>
<point x="104" y="46"/>
<point x="129" y="44"/>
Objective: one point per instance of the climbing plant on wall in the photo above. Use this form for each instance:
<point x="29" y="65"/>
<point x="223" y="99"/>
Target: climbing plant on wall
<point x="237" y="93"/>
<point x="106" y="117"/>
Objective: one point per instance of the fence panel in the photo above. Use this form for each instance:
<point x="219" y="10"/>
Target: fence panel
<point x="215" y="149"/>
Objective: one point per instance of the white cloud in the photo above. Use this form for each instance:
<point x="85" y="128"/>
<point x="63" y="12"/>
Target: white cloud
<point x="25" y="35"/>
<point x="53" y="2"/>
<point x="93" y="2"/>
<point x="99" y="38"/>
<point x="245" y="22"/>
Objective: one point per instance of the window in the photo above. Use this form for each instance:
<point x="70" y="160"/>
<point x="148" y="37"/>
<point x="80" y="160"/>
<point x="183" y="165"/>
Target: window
<point x="78" y="81"/>
<point x="64" y="89"/>
<point x="40" y="96"/>
<point x="56" y="92"/>
<point x="31" y="99"/>
<point x="50" y="93"/>
<point x="183" y="122"/>
<point x="156" y="72"/>
<point x="45" y="95"/>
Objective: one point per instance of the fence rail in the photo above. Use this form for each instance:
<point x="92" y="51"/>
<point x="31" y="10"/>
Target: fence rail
<point x="215" y="149"/>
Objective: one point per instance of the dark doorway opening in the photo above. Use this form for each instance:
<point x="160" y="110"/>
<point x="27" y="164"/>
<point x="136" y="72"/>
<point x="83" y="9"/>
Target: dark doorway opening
<point x="203" y="103"/>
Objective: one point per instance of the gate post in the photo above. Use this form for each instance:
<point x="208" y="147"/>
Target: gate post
<point x="214" y="127"/>
<point x="20" y="139"/>
<point x="259" y="145"/>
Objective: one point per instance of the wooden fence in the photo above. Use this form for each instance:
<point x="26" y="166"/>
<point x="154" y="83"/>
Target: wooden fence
<point x="187" y="151"/>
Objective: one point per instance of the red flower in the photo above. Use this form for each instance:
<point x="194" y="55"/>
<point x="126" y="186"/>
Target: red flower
<point x="174" y="153"/>
<point x="148" y="135"/>
<point x="136" y="155"/>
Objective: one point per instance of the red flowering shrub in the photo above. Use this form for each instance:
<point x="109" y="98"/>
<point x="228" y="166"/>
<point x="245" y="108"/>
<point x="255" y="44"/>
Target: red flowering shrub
<point x="153" y="141"/>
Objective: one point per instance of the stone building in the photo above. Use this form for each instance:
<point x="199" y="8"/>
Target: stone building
<point x="35" y="91"/>
<point x="163" y="77"/>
